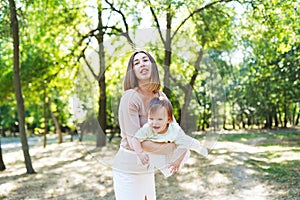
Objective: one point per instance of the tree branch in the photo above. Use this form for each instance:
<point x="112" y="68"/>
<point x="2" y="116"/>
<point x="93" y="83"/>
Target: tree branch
<point x="126" y="34"/>
<point x="90" y="34"/>
<point x="156" y="21"/>
<point x="82" y="55"/>
<point x="90" y="67"/>
<point x="195" y="12"/>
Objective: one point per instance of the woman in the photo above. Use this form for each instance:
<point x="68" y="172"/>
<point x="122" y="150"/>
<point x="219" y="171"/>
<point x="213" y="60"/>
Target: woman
<point x="141" y="84"/>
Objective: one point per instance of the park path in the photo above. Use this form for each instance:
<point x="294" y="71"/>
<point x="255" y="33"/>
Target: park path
<point x="244" y="183"/>
<point x="75" y="170"/>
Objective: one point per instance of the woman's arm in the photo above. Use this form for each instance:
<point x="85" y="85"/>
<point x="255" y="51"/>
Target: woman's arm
<point x="129" y="116"/>
<point x="158" y="147"/>
<point x="136" y="144"/>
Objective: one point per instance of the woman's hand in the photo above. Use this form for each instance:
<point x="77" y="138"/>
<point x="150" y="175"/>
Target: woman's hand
<point x="158" y="147"/>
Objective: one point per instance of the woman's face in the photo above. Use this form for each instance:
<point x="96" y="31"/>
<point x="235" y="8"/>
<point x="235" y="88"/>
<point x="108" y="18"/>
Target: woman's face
<point x="142" y="67"/>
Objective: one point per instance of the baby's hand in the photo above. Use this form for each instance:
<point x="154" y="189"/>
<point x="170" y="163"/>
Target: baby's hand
<point x="144" y="158"/>
<point x="174" y="166"/>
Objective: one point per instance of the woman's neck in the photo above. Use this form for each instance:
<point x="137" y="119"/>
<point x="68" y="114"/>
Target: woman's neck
<point x="144" y="89"/>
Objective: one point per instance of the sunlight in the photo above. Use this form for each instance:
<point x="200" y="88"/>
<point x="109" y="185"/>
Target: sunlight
<point x="12" y="157"/>
<point x="193" y="185"/>
<point x="289" y="154"/>
<point x="257" y="192"/>
<point x="217" y="178"/>
<point x="220" y="160"/>
<point x="6" y="188"/>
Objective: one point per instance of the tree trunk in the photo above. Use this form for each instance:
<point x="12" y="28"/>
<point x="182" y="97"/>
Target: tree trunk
<point x="17" y="87"/>
<point x="2" y="165"/>
<point x="294" y="115"/>
<point x="297" y="119"/>
<point x="80" y="128"/>
<point x="275" y="117"/>
<point x="243" y="121"/>
<point x="188" y="93"/>
<point x="279" y="116"/>
<point x="57" y="126"/>
<point x="224" y="122"/>
<point x="204" y="115"/>
<point x="168" y="54"/>
<point x="45" y="118"/>
<point x="101" y="137"/>
<point x="233" y="122"/>
<point x="267" y="124"/>
<point x="56" y="122"/>
<point x="270" y="119"/>
<point x="285" y="121"/>
<point x="203" y="126"/>
<point x="249" y="121"/>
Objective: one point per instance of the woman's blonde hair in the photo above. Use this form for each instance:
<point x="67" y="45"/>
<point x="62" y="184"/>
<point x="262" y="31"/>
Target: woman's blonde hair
<point x="130" y="80"/>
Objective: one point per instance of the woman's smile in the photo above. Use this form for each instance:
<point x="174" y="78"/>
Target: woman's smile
<point x="144" y="71"/>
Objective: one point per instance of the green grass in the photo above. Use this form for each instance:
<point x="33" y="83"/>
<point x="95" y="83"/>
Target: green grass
<point x="269" y="139"/>
<point x="281" y="176"/>
<point x="276" y="161"/>
<point x="271" y="164"/>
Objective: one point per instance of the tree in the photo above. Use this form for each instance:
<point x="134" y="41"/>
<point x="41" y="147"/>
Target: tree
<point x="171" y="8"/>
<point x="99" y="73"/>
<point x="18" y="88"/>
<point x="47" y="59"/>
<point x="271" y="39"/>
<point x="212" y="32"/>
<point x="208" y="22"/>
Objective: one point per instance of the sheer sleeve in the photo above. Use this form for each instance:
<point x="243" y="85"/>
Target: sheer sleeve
<point x="129" y="118"/>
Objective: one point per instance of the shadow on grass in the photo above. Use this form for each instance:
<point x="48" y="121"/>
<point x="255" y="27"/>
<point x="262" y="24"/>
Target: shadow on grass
<point x="63" y="172"/>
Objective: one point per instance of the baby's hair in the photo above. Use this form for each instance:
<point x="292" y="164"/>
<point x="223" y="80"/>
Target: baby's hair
<point x="158" y="102"/>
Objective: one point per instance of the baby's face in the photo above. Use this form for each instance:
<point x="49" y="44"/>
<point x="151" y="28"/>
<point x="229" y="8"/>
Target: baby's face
<point x="158" y="120"/>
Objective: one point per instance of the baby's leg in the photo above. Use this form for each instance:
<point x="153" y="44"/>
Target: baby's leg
<point x="196" y="146"/>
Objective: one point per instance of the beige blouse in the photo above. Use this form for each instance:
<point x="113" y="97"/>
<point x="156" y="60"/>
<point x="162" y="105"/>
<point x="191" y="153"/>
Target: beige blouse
<point x="132" y="114"/>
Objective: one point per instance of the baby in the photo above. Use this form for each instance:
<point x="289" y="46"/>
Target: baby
<point x="162" y="128"/>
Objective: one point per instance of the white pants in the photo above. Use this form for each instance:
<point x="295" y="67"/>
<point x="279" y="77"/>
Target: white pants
<point x="132" y="181"/>
<point x="134" y="186"/>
